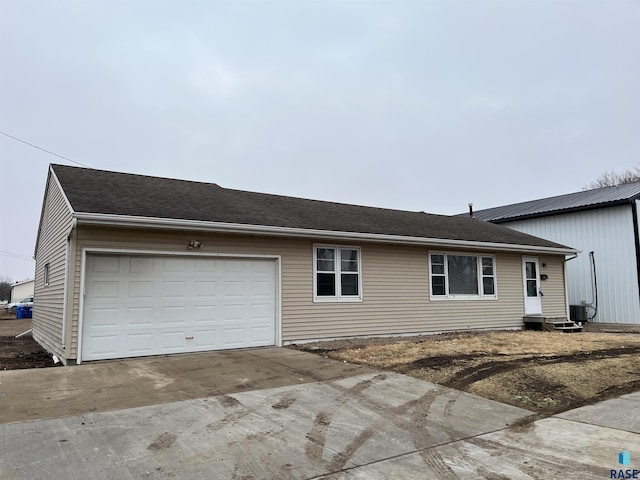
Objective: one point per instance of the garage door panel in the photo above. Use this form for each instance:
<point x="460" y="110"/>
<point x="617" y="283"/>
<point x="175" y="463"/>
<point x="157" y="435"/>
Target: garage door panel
<point x="261" y="287"/>
<point x="174" y="264"/>
<point x="207" y="265"/>
<point x="234" y="336"/>
<point x="233" y="288"/>
<point x="261" y="312"/>
<point x="140" y="344"/>
<point x="140" y="290"/>
<point x="177" y="315"/>
<point x="106" y="264"/>
<point x="138" y="317"/>
<point x="105" y="289"/>
<point x="176" y="290"/>
<point x="104" y="346"/>
<point x="205" y="290"/>
<point x="205" y="314"/>
<point x="105" y="318"/>
<point x="207" y="338"/>
<point x="173" y="340"/>
<point x="143" y="305"/>
<point x="233" y="266"/>
<point x="143" y="265"/>
<point x="234" y="312"/>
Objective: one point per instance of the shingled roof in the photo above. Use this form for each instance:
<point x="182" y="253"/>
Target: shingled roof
<point x="572" y="202"/>
<point x="105" y="193"/>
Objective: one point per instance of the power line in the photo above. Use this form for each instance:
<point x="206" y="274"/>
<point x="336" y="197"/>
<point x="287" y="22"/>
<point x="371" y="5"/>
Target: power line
<point x="43" y="149"/>
<point x="17" y="256"/>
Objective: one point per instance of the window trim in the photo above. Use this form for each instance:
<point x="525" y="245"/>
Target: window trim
<point x="338" y="297"/>
<point x="46" y="274"/>
<point x="481" y="276"/>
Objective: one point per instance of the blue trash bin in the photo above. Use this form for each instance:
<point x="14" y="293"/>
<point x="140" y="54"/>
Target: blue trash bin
<point x="19" y="311"/>
<point x="27" y="312"/>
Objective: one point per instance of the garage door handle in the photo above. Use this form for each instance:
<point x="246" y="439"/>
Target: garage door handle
<point x="188" y="338"/>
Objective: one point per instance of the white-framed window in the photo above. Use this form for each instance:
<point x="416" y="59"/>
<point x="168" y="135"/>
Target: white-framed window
<point x="337" y="273"/>
<point x="462" y="276"/>
<point x="46" y="274"/>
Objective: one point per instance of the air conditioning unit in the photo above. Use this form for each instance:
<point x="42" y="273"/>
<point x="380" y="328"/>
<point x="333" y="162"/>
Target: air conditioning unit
<point x="578" y="313"/>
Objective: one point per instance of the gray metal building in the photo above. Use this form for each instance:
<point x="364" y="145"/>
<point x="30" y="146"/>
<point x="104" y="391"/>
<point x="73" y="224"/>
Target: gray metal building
<point x="604" y="280"/>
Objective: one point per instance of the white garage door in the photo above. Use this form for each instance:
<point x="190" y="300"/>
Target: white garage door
<point x="153" y="305"/>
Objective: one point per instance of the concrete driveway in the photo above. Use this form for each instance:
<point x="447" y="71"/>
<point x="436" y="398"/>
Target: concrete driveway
<point x="327" y="420"/>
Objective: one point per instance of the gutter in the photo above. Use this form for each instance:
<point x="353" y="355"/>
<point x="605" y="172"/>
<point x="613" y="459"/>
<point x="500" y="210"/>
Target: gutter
<point x="236" y="228"/>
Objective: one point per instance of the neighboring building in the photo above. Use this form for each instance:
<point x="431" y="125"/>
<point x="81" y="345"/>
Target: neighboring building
<point x="603" y="224"/>
<point x="130" y="265"/>
<point x="20" y="290"/>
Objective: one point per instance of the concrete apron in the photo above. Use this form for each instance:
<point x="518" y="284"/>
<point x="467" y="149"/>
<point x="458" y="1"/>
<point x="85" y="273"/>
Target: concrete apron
<point x="368" y="425"/>
<point x="110" y="385"/>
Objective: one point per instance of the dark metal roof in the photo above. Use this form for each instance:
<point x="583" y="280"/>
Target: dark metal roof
<point x="572" y="202"/>
<point x="103" y="192"/>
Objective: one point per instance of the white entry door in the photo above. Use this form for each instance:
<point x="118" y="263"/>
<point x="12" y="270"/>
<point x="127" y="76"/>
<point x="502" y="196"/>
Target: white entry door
<point x="152" y="305"/>
<point x="532" y="294"/>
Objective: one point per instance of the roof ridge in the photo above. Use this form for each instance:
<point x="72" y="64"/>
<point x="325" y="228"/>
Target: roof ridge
<point x="272" y="195"/>
<point x="128" y="174"/>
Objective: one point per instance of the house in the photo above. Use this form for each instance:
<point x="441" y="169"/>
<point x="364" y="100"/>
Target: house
<point x="130" y="265"/>
<point x="20" y="290"/>
<point x="603" y="282"/>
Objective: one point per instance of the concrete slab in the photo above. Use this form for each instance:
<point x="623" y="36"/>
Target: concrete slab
<point x="612" y="327"/>
<point x="297" y="431"/>
<point x="622" y="413"/>
<point x="549" y="448"/>
<point x="277" y="413"/>
<point x="102" y="386"/>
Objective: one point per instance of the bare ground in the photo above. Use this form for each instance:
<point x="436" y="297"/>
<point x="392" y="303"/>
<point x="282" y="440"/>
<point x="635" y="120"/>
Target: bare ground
<point x="23" y="352"/>
<point x="545" y="372"/>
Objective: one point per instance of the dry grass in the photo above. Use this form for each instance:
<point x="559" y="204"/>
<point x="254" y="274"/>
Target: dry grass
<point x="542" y="371"/>
<point x="490" y="343"/>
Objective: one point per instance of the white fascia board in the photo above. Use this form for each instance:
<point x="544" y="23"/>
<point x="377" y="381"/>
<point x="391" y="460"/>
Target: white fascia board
<point x="238" y="228"/>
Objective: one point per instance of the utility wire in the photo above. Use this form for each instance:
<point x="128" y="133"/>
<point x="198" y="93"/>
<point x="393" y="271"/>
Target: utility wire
<point x="17" y="256"/>
<point x="44" y="150"/>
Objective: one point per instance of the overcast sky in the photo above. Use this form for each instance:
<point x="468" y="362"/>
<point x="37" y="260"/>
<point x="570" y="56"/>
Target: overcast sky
<point x="423" y="105"/>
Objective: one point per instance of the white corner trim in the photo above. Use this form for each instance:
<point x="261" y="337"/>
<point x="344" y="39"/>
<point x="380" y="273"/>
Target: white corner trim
<point x="237" y="228"/>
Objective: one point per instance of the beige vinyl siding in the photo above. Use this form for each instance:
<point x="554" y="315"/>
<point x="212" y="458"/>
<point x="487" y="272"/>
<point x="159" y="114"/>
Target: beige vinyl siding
<point x="395" y="282"/>
<point x="554" y="302"/>
<point x="48" y="306"/>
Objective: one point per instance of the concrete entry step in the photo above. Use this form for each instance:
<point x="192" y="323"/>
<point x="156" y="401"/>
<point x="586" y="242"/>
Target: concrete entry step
<point x="552" y="324"/>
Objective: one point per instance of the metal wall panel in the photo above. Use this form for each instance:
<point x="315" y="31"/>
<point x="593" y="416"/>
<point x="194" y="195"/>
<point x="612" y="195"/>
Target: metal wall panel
<point x="609" y="233"/>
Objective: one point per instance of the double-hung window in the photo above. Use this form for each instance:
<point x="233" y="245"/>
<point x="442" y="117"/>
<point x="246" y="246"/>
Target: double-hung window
<point x="337" y="276"/>
<point x="462" y="276"/>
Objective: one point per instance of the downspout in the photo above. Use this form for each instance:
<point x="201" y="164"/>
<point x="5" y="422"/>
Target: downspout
<point x="636" y="234"/>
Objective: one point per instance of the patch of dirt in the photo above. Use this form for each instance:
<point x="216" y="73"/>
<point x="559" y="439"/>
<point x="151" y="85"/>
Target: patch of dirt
<point x="545" y="372"/>
<point x="23" y="352"/>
